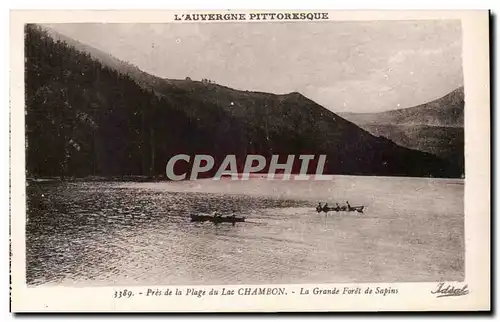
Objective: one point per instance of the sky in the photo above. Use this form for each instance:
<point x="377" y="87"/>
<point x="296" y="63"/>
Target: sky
<point x="366" y="66"/>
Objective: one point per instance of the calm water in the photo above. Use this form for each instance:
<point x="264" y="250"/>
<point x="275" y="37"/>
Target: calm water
<point x="140" y="233"/>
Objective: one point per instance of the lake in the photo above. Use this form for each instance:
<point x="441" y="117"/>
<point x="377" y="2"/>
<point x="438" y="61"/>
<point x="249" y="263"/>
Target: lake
<point x="127" y="233"/>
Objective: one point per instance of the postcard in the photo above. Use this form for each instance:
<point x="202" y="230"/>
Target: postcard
<point x="250" y="161"/>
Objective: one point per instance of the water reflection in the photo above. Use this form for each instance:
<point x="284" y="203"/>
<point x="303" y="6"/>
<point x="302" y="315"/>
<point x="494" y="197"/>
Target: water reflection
<point x="81" y="230"/>
<point x="107" y="234"/>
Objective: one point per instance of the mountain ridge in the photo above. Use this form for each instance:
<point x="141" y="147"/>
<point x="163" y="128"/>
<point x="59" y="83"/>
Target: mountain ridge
<point x="132" y="123"/>
<point x="143" y="78"/>
<point x="435" y="127"/>
<point x="447" y="110"/>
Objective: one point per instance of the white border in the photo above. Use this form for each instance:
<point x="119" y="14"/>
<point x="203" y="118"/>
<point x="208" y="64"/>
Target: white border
<point x="477" y="168"/>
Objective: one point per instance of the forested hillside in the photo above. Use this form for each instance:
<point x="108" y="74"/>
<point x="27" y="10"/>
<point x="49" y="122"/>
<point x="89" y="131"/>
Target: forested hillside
<point x="85" y="118"/>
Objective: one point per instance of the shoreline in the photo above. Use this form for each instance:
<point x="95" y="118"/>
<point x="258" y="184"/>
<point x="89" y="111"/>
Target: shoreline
<point x="162" y="179"/>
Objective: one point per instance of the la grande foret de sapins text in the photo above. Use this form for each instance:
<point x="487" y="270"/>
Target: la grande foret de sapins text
<point x="251" y="16"/>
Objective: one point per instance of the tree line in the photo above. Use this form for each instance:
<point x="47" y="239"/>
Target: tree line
<point x="83" y="118"/>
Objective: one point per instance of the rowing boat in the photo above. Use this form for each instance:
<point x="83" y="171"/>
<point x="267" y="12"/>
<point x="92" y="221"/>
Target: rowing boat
<point x="343" y="208"/>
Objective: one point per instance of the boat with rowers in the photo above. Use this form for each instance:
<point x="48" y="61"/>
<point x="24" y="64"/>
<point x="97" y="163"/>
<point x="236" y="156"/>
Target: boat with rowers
<point x="217" y="218"/>
<point x="339" y="208"/>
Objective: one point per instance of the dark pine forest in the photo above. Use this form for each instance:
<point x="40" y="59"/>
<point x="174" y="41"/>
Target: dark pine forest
<point x="87" y="118"/>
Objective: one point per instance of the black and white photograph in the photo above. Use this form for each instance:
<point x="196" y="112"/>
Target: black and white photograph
<point x="206" y="152"/>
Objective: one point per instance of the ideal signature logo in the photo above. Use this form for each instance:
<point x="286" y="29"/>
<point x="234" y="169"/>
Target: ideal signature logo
<point x="444" y="290"/>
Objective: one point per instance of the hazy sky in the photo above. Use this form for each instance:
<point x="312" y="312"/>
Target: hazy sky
<point x="344" y="66"/>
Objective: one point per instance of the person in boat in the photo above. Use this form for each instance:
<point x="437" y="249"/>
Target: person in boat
<point x="325" y="207"/>
<point x="337" y="206"/>
<point x="318" y="208"/>
<point x="348" y="205"/>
